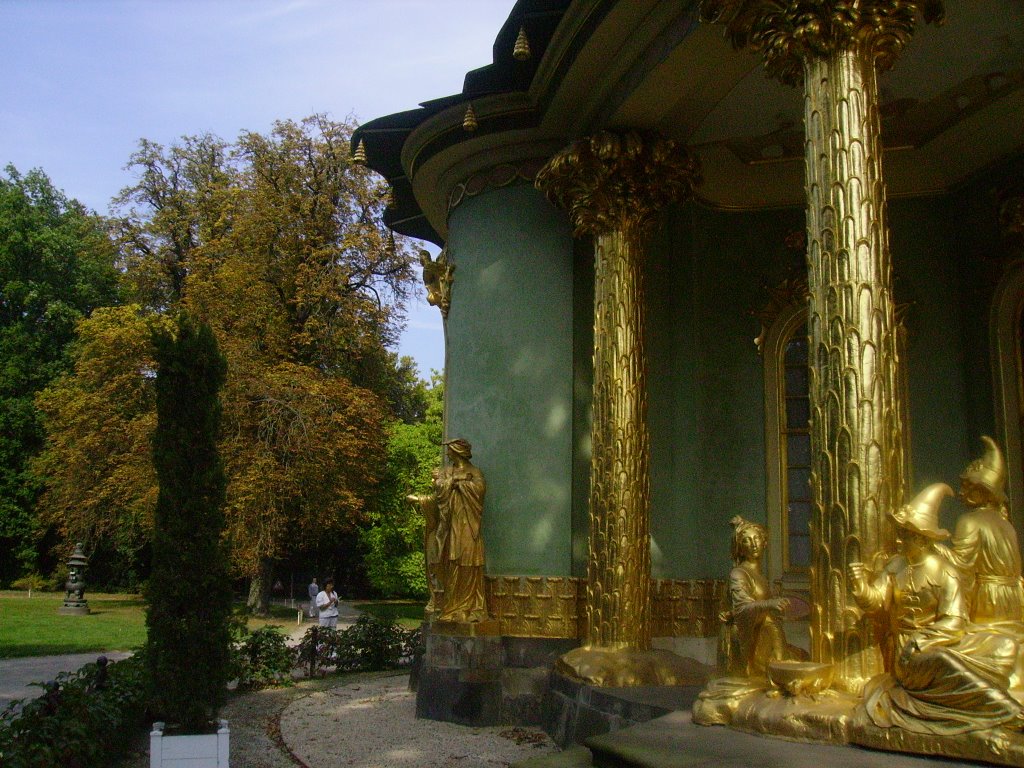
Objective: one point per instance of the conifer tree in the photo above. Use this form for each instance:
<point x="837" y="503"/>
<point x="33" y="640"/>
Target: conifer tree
<point x="189" y="592"/>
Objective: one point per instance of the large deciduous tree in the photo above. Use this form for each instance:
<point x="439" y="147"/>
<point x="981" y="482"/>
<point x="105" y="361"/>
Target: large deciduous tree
<point x="277" y="242"/>
<point x="56" y="266"/>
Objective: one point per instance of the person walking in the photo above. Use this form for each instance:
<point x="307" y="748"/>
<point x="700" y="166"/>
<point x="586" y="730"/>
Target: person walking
<point x="327" y="605"/>
<point x="313" y="590"/>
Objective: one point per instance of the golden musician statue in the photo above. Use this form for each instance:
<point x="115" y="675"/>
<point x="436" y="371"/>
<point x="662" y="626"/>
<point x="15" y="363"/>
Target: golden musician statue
<point x="945" y="675"/>
<point x="950" y="613"/>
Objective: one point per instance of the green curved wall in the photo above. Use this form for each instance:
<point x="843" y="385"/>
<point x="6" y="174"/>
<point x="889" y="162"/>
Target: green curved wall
<point x="510" y="372"/>
<point x="519" y="374"/>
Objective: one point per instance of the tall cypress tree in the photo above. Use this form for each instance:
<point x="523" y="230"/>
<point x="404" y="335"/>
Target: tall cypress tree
<point x="189" y="593"/>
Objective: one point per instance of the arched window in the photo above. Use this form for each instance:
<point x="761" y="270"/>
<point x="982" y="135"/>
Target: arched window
<point x="784" y="346"/>
<point x="788" y="445"/>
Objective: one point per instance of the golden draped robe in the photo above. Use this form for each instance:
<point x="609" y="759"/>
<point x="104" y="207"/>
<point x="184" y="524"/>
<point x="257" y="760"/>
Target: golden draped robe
<point x="460" y="499"/>
<point x="944" y="679"/>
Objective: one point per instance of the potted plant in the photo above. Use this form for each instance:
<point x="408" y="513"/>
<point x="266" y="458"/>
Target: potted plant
<point x="189" y="595"/>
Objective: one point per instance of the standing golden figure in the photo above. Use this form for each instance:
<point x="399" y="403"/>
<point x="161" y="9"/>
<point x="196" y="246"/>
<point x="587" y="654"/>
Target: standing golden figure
<point x="459" y="490"/>
<point x="946" y="677"/>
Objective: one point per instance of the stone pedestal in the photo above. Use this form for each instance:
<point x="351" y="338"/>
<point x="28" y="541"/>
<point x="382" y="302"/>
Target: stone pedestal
<point x="470" y="674"/>
<point x="460" y="680"/>
<point x="74" y="607"/>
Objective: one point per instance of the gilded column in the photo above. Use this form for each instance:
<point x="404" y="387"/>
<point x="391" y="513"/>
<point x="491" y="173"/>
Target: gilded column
<point x="613" y="184"/>
<point x="836" y="48"/>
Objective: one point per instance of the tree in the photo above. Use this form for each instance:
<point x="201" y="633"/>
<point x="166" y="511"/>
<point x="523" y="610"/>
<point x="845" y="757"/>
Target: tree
<point x="392" y="540"/>
<point x="101" y="486"/>
<point x="277" y="241"/>
<point x="56" y="266"/>
<point x="189" y="605"/>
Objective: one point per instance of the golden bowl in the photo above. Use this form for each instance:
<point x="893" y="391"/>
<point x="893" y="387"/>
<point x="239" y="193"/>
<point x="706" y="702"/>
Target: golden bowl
<point x="795" y="678"/>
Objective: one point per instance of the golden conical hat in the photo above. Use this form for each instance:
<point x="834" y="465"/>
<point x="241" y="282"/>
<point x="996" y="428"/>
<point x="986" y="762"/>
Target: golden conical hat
<point x="989" y="471"/>
<point x="922" y="514"/>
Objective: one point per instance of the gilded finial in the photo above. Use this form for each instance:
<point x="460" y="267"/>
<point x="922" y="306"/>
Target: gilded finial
<point x="469" y="122"/>
<point x="521" y="50"/>
<point x="359" y="156"/>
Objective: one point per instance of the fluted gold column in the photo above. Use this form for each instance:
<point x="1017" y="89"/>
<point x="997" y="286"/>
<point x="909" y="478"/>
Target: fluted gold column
<point x="613" y="184"/>
<point x="836" y="49"/>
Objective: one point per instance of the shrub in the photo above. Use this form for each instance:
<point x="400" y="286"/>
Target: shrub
<point x="33" y="582"/>
<point x="85" y="719"/>
<point x="263" y="659"/>
<point x="188" y="621"/>
<point x="369" y="644"/>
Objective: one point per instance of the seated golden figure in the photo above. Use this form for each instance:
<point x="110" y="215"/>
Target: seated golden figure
<point x="753" y="633"/>
<point x="945" y="676"/>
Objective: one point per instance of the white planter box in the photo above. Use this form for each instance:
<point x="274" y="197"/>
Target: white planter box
<point x="205" y="751"/>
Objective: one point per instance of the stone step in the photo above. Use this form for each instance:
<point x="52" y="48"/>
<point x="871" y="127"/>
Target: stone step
<point x="673" y="741"/>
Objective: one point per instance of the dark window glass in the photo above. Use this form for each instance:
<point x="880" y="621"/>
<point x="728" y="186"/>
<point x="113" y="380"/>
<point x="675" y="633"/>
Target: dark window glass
<point x="796" y="347"/>
<point x="799" y="552"/>
<point x="799" y="485"/>
<point x="798" y="449"/>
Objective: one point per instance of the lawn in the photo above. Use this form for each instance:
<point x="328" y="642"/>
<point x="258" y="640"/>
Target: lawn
<point x="404" y="613"/>
<point x="31" y="626"/>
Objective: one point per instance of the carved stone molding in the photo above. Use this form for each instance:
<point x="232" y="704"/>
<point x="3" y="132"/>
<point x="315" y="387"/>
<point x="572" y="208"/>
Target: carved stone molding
<point x="789" y="32"/>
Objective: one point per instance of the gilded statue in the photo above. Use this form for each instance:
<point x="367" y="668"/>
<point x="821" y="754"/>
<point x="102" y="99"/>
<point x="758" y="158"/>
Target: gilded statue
<point x="438" y="276"/>
<point x="459" y="490"/>
<point x="753" y="622"/>
<point x="434" y="535"/>
<point x="943" y="676"/>
<point x="985" y="542"/>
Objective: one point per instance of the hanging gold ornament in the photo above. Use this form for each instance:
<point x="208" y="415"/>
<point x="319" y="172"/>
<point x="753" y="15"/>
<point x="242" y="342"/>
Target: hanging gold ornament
<point x="521" y="50"/>
<point x="469" y="122"/>
<point x="359" y="156"/>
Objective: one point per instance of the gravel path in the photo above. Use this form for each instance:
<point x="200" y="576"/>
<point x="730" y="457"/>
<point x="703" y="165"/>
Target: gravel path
<point x="356" y="721"/>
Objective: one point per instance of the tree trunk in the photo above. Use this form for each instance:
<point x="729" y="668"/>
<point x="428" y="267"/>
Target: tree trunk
<point x="258" y="602"/>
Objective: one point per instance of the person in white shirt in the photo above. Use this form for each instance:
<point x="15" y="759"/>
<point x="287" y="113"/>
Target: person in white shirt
<point x="327" y="605"/>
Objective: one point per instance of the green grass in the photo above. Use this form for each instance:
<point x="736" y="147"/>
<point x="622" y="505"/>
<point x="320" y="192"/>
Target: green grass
<point x="403" y="612"/>
<point x="31" y="626"/>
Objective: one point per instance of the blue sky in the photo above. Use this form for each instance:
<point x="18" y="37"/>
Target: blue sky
<point x="81" y="81"/>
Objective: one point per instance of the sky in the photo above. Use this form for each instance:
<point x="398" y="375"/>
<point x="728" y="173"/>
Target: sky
<point x="81" y="81"/>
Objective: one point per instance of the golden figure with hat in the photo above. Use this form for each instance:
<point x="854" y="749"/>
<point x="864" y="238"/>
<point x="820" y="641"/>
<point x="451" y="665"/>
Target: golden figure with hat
<point x="459" y="490"/>
<point x="985" y="543"/>
<point x="943" y="676"/>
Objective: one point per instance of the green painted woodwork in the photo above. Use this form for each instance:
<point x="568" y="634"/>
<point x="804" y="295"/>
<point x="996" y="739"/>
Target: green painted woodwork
<point x="510" y="372"/>
<point x="520" y="373"/>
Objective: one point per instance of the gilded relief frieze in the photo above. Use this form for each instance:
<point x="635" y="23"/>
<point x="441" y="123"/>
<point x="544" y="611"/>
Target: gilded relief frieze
<point x="552" y="606"/>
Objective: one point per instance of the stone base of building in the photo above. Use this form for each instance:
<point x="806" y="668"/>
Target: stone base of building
<point x="575" y="711"/>
<point x="473" y="677"/>
<point x="831" y="717"/>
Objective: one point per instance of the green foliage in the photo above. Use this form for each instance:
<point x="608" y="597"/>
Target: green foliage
<point x="369" y="644"/>
<point x="101" y="486"/>
<point x="56" y="266"/>
<point x="85" y="719"/>
<point x="393" y="540"/>
<point x="32" y="582"/>
<point x="263" y="659"/>
<point x="189" y="596"/>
